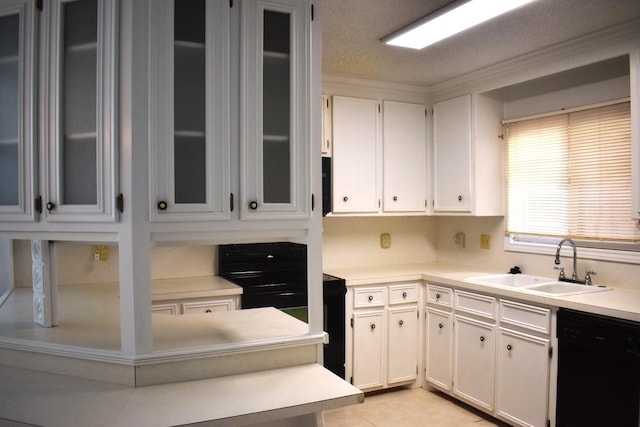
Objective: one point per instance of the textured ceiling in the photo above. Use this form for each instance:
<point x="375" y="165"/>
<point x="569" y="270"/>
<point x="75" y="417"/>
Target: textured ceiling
<point x="352" y="29"/>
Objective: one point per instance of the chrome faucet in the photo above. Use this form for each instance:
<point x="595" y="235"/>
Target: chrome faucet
<point x="574" y="276"/>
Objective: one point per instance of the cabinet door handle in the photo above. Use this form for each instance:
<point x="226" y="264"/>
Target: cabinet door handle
<point x="404" y="295"/>
<point x="440" y="325"/>
<point x="253" y="205"/>
<point x="345" y="199"/>
<point x="370" y="298"/>
<point x="481" y="338"/>
<point x="509" y="347"/>
<point x="51" y="206"/>
<point x="373" y="326"/>
<point x="395" y="198"/>
<point x="437" y="296"/>
<point x="401" y="322"/>
<point x="207" y="311"/>
<point x="459" y="198"/>
<point x="162" y="205"/>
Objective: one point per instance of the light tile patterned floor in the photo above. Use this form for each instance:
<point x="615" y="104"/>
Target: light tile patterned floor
<point x="408" y="408"/>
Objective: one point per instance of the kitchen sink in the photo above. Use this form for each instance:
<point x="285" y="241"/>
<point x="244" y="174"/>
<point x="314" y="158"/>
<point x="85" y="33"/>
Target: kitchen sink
<point x="565" y="288"/>
<point x="510" y="280"/>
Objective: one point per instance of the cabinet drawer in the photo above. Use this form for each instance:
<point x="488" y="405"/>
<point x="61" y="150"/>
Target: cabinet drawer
<point x="477" y="304"/>
<point x="526" y="316"/>
<point x="400" y="294"/>
<point x="439" y="296"/>
<point x="171" y="308"/>
<point x="368" y="297"/>
<point x="207" y="306"/>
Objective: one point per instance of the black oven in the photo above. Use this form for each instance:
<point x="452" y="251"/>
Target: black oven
<point x="275" y="275"/>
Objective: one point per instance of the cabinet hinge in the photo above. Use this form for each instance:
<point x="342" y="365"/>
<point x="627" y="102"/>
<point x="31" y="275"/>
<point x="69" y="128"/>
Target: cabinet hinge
<point x="548" y="423"/>
<point x="312" y="12"/>
<point x="352" y="322"/>
<point x="351" y="380"/>
<point x="120" y="202"/>
<point x="231" y="3"/>
<point x="313" y="201"/>
<point x="418" y="314"/>
<point x="231" y="202"/>
<point x="426" y="112"/>
<point x="327" y="103"/>
<point x="38" y="204"/>
<point x="39" y="5"/>
<point x="550" y="352"/>
<point x="379" y="109"/>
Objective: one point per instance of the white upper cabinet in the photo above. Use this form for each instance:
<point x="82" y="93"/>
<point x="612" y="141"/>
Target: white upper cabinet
<point x="79" y="74"/>
<point x="379" y="156"/>
<point x="275" y="125"/>
<point x="451" y="154"/>
<point x="189" y="163"/>
<point x="355" y="155"/>
<point x="404" y="157"/>
<point x="468" y="171"/>
<point x="17" y="107"/>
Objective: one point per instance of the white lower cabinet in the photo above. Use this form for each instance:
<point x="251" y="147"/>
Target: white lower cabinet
<point x="474" y="361"/>
<point x="440" y="349"/>
<point x="494" y="354"/>
<point x="384" y="331"/>
<point x="523" y="378"/>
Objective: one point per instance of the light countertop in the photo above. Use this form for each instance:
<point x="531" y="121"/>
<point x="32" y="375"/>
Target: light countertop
<point x="192" y="287"/>
<point x="621" y="303"/>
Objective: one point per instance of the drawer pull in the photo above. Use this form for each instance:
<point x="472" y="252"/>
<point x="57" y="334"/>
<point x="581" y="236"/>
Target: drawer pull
<point x="440" y="325"/>
<point x="373" y="326"/>
<point x="370" y="297"/>
<point x="509" y="347"/>
<point x="208" y="310"/>
<point x="404" y="295"/>
<point x="481" y="338"/>
<point x="437" y="296"/>
<point x="401" y="322"/>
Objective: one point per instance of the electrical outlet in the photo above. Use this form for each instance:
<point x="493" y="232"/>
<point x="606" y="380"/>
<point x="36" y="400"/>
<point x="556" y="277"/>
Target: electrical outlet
<point x="485" y="241"/>
<point x="101" y="252"/>
<point x="385" y="240"/>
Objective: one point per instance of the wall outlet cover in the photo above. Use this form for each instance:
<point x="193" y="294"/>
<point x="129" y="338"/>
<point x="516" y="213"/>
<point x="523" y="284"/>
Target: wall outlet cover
<point x="485" y="241"/>
<point x="385" y="240"/>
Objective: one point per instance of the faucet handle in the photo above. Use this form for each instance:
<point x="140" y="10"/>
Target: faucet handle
<point x="587" y="277"/>
<point x="561" y="275"/>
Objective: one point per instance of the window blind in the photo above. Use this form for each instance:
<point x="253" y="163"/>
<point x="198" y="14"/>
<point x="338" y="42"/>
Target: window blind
<point x="570" y="175"/>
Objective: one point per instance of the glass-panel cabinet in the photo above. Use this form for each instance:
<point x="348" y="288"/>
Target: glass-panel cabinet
<point x="275" y="124"/>
<point x="79" y="40"/>
<point x="17" y="100"/>
<point x="189" y="89"/>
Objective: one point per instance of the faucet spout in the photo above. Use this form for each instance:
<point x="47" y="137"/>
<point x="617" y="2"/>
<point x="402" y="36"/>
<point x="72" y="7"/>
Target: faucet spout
<point x="574" y="276"/>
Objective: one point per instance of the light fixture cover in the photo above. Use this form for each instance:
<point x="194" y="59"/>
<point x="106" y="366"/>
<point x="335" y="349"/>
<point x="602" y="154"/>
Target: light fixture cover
<point x="438" y="26"/>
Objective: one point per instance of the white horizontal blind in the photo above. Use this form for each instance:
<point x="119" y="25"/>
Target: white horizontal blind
<point x="570" y="175"/>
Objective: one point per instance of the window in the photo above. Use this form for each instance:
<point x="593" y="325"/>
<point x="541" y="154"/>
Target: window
<point x="569" y="174"/>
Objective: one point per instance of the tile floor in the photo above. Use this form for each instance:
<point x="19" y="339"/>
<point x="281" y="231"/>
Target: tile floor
<point x="408" y="408"/>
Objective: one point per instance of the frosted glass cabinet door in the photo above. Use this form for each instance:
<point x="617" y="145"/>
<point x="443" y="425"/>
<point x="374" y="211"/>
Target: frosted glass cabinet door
<point x="189" y="81"/>
<point x="80" y="72"/>
<point x="275" y="126"/>
<point x="16" y="110"/>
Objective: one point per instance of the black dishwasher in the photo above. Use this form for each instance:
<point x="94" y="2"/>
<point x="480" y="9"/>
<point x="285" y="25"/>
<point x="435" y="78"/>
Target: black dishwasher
<point x="598" y="370"/>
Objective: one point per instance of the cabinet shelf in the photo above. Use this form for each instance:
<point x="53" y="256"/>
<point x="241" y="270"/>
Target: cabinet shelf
<point x="276" y="55"/>
<point x="9" y="141"/>
<point x="276" y="138"/>
<point x="81" y="136"/>
<point x="84" y="47"/>
<point x="13" y="59"/>
<point x="190" y="134"/>
<point x="189" y="45"/>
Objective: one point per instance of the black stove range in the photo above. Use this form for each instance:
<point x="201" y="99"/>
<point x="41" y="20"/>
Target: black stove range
<point x="275" y="275"/>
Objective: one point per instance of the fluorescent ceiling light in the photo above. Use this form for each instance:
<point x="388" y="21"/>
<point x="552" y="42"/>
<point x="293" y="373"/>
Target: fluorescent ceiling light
<point x="441" y="25"/>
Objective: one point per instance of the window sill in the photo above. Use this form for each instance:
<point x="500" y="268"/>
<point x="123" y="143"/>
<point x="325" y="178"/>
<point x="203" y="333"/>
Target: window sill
<point x="611" y="255"/>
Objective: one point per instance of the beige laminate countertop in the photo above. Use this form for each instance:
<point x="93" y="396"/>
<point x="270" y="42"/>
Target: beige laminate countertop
<point x="192" y="287"/>
<point x="621" y="303"/>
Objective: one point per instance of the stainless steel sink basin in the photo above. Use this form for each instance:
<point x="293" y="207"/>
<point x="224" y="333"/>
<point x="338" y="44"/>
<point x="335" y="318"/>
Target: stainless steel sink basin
<point x="510" y="280"/>
<point x="565" y="288"/>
